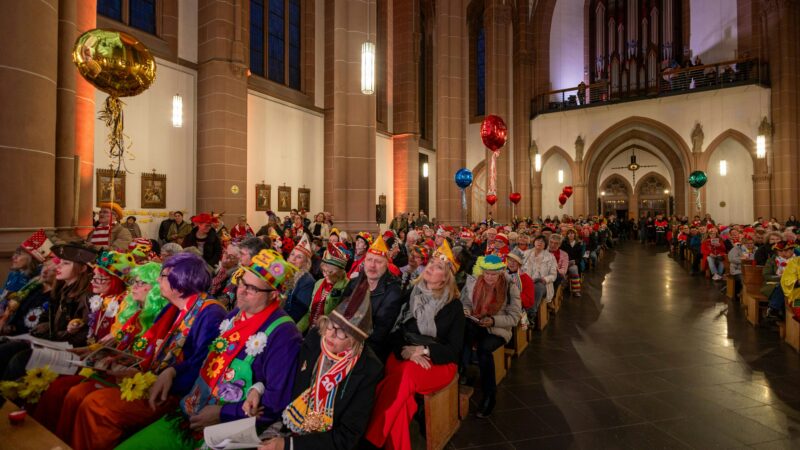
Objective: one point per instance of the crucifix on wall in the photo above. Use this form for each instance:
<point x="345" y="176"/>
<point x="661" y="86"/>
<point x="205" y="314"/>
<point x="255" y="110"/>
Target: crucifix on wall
<point x="633" y="166"/>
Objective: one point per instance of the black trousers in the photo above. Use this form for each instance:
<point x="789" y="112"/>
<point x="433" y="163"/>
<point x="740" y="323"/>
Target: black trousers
<point x="14" y="356"/>
<point x="485" y="344"/>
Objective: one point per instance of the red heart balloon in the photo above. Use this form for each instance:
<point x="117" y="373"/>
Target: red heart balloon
<point x="562" y="198"/>
<point x="515" y="197"/>
<point x="568" y="191"/>
<point x="494" y="132"/>
<point x="491" y="199"/>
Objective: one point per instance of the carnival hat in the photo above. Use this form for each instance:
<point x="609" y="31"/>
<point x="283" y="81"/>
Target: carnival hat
<point x="140" y="247"/>
<point x="304" y="246"/>
<point x="75" y="253"/>
<point x="335" y="256"/>
<point x="38" y="245"/>
<point x="354" y="315"/>
<point x="784" y="245"/>
<point x="379" y="248"/>
<point x="423" y="251"/>
<point x="502" y="237"/>
<point x="516" y="255"/>
<point x="445" y="254"/>
<point x="365" y="236"/>
<point x="203" y="218"/>
<point x="270" y="266"/>
<point x="491" y="263"/>
<point x="114" y="207"/>
<point x="115" y="264"/>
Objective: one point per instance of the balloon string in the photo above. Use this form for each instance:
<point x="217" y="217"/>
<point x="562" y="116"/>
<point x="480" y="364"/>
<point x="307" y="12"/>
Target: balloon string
<point x="464" y="204"/>
<point x="493" y="174"/>
<point x="113" y="117"/>
<point x="697" y="199"/>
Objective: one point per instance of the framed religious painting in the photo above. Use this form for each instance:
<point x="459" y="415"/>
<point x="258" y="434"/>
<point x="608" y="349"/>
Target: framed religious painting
<point x="108" y="181"/>
<point x="284" y="198"/>
<point x="380" y="209"/>
<point x="263" y="197"/>
<point x="154" y="190"/>
<point x="304" y="199"/>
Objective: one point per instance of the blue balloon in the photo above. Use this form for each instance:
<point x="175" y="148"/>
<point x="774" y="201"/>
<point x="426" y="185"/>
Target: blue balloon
<point x="463" y="178"/>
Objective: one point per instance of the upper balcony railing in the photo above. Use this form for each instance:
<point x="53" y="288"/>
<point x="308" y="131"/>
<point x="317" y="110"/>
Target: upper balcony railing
<point x="670" y="81"/>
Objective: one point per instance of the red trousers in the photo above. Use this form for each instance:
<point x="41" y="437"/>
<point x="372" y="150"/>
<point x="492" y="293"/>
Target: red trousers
<point x="103" y="419"/>
<point x="395" y="404"/>
<point x="48" y="410"/>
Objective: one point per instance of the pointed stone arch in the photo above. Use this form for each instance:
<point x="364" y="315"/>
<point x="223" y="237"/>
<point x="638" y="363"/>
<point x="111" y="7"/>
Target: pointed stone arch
<point x="556" y="150"/>
<point x="658" y="135"/>
<point x="759" y="166"/>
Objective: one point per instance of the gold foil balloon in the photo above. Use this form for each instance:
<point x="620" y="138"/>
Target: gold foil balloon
<point x="114" y="62"/>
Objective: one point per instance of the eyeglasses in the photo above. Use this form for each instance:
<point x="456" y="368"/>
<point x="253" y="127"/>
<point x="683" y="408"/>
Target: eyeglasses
<point x="163" y="274"/>
<point x="337" y="331"/>
<point x="138" y="283"/>
<point x="250" y="289"/>
<point x="100" y="279"/>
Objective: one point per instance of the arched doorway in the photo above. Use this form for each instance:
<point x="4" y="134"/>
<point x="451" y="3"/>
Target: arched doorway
<point x="653" y="195"/>
<point x="615" y="196"/>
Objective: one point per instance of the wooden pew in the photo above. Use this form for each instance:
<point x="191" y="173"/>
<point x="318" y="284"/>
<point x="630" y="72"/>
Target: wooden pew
<point x="752" y="298"/>
<point x="442" y="415"/>
<point x="730" y="286"/>
<point x="499" y="356"/>
<point x="464" y="395"/>
<point x="542" y="316"/>
<point x="558" y="297"/>
<point x="30" y="434"/>
<point x="519" y="341"/>
<point x="792" y="326"/>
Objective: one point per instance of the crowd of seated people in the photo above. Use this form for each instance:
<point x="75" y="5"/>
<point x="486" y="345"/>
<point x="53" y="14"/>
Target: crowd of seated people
<point x="324" y="339"/>
<point x="721" y="250"/>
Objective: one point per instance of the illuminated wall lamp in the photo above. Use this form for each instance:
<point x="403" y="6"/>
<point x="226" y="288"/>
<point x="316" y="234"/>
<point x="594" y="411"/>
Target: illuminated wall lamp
<point x="723" y="167"/>
<point x="537" y="162"/>
<point x="560" y="177"/>
<point x="761" y="146"/>
<point x="177" y="111"/>
<point x="425" y="170"/>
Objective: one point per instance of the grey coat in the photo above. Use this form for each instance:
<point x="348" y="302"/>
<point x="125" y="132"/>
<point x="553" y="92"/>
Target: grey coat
<point x="505" y="319"/>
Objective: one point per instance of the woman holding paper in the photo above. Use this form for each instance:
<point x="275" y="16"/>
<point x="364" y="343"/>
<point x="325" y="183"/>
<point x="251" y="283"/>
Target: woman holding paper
<point x="494" y="301"/>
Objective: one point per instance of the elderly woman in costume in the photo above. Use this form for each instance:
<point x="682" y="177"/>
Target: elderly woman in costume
<point x="257" y="342"/>
<point x="300" y="287"/>
<point x="574" y="249"/>
<point x="109" y="288"/>
<point x="173" y="348"/>
<point x="60" y="402"/>
<point x="492" y="303"/>
<point x="425" y="351"/>
<point x="66" y="322"/>
<point x="334" y="388"/>
<point x="541" y="266"/>
<point x="329" y="290"/>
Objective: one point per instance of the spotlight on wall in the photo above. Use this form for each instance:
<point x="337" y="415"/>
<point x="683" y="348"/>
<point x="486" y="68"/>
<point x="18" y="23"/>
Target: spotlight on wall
<point x="425" y="170"/>
<point x="537" y="162"/>
<point x="761" y="146"/>
<point x="666" y="191"/>
<point x="177" y="111"/>
<point x="602" y="193"/>
<point x="560" y="177"/>
<point x="723" y="167"/>
<point x="368" y="68"/>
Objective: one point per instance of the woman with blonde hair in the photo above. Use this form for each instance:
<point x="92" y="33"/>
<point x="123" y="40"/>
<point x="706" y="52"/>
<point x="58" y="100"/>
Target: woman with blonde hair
<point x="426" y="346"/>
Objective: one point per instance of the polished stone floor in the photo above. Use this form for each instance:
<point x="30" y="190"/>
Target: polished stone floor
<point x="648" y="358"/>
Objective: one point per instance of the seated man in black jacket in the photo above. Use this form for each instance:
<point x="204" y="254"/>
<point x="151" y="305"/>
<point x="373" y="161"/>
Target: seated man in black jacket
<point x="386" y="296"/>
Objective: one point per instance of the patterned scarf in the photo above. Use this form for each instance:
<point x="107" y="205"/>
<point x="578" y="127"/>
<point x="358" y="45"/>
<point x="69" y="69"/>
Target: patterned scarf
<point x="780" y="263"/>
<point x="318" y="302"/>
<point x="312" y="411"/>
<point x="171" y="349"/>
<point x="145" y="345"/>
<point x="103" y="315"/>
<point x="126" y="335"/>
<point x="486" y="300"/>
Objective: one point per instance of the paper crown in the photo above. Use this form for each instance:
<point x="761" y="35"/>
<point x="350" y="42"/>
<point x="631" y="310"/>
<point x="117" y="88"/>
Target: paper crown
<point x="466" y="233"/>
<point x="270" y="266"/>
<point x="304" y="246"/>
<point x="445" y="254"/>
<point x="38" y="245"/>
<point x="114" y="207"/>
<point x="365" y="236"/>
<point x="75" y="253"/>
<point x="334" y="231"/>
<point x="379" y="247"/>
<point x="335" y="256"/>
<point x="115" y="264"/>
<point x="140" y="247"/>
<point x="354" y="314"/>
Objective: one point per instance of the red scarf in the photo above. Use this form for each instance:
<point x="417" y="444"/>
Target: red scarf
<point x="126" y="335"/>
<point x="234" y="340"/>
<point x="318" y="303"/>
<point x="557" y="255"/>
<point x="145" y="346"/>
<point x="486" y="300"/>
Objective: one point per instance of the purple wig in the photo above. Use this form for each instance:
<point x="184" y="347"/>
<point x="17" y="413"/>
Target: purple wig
<point x="188" y="274"/>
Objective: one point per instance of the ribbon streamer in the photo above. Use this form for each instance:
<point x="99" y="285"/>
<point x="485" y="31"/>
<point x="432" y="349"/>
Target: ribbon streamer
<point x="493" y="174"/>
<point x="464" y="205"/>
<point x="698" y="203"/>
<point x="113" y="117"/>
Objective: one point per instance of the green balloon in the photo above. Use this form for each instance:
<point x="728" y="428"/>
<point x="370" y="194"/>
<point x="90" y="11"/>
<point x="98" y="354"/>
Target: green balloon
<point x="698" y="179"/>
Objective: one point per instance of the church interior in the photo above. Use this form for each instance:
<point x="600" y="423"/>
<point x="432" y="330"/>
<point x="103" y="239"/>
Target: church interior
<point x="668" y="131"/>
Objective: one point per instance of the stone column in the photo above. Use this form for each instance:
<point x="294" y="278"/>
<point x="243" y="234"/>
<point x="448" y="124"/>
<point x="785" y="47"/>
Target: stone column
<point x="349" y="117"/>
<point x="521" y="129"/>
<point x="761" y="195"/>
<point x="579" y="197"/>
<point x="405" y="143"/>
<point x="28" y="74"/>
<point x="497" y="17"/>
<point x="222" y="106"/>
<point x="784" y="65"/>
<point x="75" y="122"/>
<point x="451" y="107"/>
